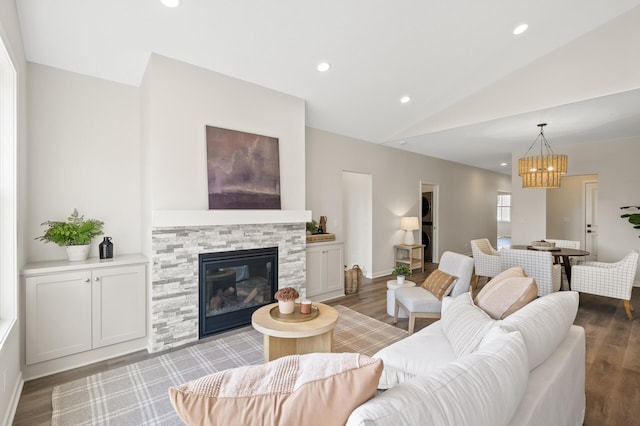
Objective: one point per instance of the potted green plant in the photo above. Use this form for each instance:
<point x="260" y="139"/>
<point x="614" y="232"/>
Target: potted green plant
<point x="75" y="234"/>
<point x="401" y="271"/>
<point x="633" y="218"/>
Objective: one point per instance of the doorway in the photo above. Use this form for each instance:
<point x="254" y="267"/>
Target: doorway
<point x="429" y="215"/>
<point x="357" y="214"/>
<point x="591" y="219"/>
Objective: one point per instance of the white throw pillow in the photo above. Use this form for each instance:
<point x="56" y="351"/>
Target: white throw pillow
<point x="464" y="323"/>
<point x="544" y="323"/>
<point x="483" y="388"/>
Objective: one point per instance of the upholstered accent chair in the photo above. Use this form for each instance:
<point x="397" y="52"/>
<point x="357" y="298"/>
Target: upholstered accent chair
<point x="418" y="302"/>
<point x="537" y="265"/>
<point x="607" y="279"/>
<point x="486" y="259"/>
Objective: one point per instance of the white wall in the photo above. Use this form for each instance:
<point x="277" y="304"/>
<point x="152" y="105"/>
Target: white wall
<point x="616" y="164"/>
<point x="565" y="209"/>
<point x="10" y="371"/>
<point x="467" y="195"/>
<point x="357" y="221"/>
<point x="181" y="99"/>
<point x="84" y="153"/>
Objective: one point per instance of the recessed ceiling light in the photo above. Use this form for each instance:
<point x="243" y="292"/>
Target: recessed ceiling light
<point x="520" y="29"/>
<point x="324" y="66"/>
<point x="171" y="3"/>
<point x="503" y="164"/>
<point x="405" y="99"/>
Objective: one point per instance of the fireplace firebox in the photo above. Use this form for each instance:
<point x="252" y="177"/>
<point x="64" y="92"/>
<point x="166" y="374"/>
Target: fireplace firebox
<point x="232" y="285"/>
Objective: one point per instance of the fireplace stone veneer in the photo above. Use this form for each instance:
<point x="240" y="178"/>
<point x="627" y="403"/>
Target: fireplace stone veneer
<point x="174" y="272"/>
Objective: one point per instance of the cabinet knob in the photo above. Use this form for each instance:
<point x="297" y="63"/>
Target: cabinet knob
<point x="87" y="280"/>
<point x="97" y="278"/>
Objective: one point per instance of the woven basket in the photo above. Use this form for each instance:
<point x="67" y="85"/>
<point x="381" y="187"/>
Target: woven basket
<point x="352" y="279"/>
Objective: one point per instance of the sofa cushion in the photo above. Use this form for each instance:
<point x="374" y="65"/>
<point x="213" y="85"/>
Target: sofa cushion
<point x="439" y="283"/>
<point x="501" y="297"/>
<point x="515" y="271"/>
<point x="464" y="323"/>
<point x="291" y="390"/>
<point x="483" y="388"/>
<point x="544" y="323"/>
<point x="415" y="355"/>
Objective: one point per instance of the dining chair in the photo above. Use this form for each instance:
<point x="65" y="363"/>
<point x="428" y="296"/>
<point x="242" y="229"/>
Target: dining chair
<point x="566" y="244"/>
<point x="486" y="260"/>
<point x="537" y="265"/>
<point x="418" y="302"/>
<point x="613" y="280"/>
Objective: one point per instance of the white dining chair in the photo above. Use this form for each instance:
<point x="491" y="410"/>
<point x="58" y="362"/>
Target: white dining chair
<point x="537" y="265"/>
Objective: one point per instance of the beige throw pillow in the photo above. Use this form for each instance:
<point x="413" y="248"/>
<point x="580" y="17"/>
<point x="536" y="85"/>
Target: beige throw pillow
<point x="439" y="283"/>
<point x="319" y="388"/>
<point x="503" y="297"/>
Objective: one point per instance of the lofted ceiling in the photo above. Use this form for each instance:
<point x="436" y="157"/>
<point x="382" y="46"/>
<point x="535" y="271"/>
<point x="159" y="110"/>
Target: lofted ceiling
<point x="477" y="91"/>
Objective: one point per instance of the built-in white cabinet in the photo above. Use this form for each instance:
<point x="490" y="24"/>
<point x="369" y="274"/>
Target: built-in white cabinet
<point x="325" y="270"/>
<point x="73" y="307"/>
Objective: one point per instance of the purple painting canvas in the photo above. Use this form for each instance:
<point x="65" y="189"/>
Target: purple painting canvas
<point x="243" y="170"/>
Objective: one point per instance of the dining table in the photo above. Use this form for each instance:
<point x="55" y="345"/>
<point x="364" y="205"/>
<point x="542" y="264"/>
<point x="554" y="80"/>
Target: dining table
<point x="559" y="253"/>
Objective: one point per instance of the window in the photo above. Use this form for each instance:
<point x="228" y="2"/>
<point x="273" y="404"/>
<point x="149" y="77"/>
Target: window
<point x="8" y="246"/>
<point x="504" y="207"/>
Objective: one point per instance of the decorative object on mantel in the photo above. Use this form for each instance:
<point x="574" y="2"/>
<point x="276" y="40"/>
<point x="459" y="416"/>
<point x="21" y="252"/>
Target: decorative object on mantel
<point x="312" y="227"/>
<point x="105" y="248"/>
<point x="322" y="229"/>
<point x="243" y="170"/>
<point x="409" y="224"/>
<point x="401" y="271"/>
<point x="286" y="298"/>
<point x="75" y="235"/>
<point x="318" y="233"/>
<point x="544" y="170"/>
<point x="634" y="218"/>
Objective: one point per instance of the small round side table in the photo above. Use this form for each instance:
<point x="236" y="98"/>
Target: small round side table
<point x="392" y="286"/>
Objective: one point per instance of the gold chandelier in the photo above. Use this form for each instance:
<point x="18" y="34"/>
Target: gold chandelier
<point x="544" y="170"/>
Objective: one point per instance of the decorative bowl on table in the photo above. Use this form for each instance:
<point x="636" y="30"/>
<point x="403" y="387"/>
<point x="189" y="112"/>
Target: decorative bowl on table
<point x="543" y="245"/>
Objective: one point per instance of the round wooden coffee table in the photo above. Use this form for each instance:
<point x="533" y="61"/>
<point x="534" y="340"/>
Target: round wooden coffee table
<point x="289" y="338"/>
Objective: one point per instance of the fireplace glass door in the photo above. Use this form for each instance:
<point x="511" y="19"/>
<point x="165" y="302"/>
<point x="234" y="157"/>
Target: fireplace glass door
<point x="233" y="285"/>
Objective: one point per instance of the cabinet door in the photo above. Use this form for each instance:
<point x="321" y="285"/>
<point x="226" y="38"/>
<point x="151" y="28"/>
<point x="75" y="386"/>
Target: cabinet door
<point x="334" y="268"/>
<point x="119" y="305"/>
<point x="58" y="315"/>
<point x="315" y="272"/>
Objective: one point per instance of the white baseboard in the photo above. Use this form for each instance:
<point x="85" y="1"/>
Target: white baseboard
<point x="13" y="405"/>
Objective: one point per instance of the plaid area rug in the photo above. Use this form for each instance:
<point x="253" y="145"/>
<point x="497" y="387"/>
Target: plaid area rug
<point x="137" y="394"/>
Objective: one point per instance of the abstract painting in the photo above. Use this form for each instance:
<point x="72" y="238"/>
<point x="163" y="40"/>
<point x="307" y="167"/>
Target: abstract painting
<point x="243" y="170"/>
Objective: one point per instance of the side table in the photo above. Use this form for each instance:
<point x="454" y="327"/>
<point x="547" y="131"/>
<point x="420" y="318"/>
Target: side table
<point x="289" y="338"/>
<point x="411" y="255"/>
<point x="392" y="286"/>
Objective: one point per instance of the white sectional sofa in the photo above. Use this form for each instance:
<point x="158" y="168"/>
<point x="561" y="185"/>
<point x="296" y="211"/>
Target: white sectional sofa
<point x="468" y="369"/>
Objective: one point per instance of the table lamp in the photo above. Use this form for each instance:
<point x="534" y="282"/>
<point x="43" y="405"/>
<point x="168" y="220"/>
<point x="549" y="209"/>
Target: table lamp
<point x="409" y="224"/>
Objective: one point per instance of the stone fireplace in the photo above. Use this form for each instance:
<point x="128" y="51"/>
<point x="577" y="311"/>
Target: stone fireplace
<point x="232" y="285"/>
<point x="177" y="243"/>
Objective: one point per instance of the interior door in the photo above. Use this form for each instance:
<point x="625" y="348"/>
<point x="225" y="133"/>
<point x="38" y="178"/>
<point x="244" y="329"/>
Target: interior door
<point x="591" y="220"/>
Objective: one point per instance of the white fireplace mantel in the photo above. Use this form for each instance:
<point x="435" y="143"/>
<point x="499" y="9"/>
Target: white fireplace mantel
<point x="170" y="218"/>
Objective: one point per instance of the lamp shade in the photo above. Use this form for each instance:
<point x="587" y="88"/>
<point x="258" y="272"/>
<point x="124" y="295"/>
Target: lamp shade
<point x="409" y="223"/>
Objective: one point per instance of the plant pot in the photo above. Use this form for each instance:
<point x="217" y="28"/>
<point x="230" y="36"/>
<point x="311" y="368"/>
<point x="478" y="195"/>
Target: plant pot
<point x="77" y="253"/>
<point x="400" y="279"/>
<point x="286" y="306"/>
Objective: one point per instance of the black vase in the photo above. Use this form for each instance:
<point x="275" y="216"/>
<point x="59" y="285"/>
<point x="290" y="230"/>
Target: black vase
<point x="106" y="248"/>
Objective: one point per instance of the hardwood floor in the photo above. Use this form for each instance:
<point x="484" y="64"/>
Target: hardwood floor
<point x="612" y="359"/>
